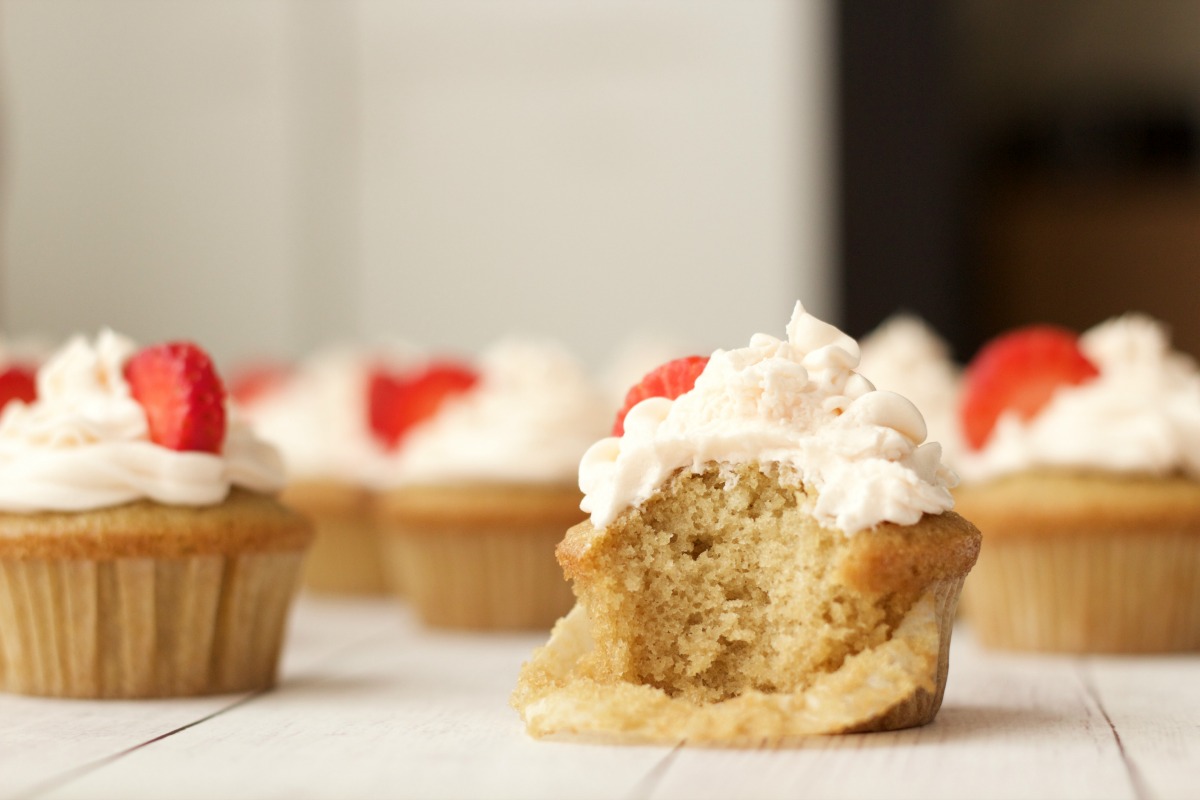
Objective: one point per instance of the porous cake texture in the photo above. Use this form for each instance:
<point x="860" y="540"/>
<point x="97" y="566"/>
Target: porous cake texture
<point x="720" y="610"/>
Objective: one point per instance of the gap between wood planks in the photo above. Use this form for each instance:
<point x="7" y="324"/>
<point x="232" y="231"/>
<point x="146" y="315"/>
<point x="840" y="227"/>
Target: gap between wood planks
<point x="644" y="789"/>
<point x="1140" y="790"/>
<point x="75" y="773"/>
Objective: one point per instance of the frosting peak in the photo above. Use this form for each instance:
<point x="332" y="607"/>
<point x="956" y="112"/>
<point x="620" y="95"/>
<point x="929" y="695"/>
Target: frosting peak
<point x="797" y="402"/>
<point x="84" y="443"/>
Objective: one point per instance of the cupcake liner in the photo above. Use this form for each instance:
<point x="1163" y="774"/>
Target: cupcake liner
<point x="346" y="557"/>
<point x="480" y="578"/>
<point x="1101" y="592"/>
<point x="897" y="684"/>
<point x="144" y="627"/>
<point x="923" y="704"/>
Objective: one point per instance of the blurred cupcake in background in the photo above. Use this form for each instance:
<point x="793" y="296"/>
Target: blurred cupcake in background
<point x="1082" y="470"/>
<point x="483" y="483"/>
<point x="904" y="355"/>
<point x="318" y="414"/>
<point x="633" y="359"/>
<point x="19" y="361"/>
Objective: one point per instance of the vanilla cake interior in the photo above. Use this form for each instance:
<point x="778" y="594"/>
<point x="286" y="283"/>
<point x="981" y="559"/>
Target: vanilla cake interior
<point x="722" y="595"/>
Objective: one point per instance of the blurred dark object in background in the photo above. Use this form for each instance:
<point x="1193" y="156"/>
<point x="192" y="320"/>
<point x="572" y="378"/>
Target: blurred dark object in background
<point x="901" y="167"/>
<point x="1006" y="163"/>
<point x="1105" y="137"/>
<point x="1089" y="212"/>
<point x="1077" y="248"/>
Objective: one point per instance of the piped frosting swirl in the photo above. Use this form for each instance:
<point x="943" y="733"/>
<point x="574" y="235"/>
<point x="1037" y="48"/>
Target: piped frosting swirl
<point x="84" y="443"/>
<point x="798" y="403"/>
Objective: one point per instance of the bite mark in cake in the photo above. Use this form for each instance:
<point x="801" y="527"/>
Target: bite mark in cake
<point x="770" y="554"/>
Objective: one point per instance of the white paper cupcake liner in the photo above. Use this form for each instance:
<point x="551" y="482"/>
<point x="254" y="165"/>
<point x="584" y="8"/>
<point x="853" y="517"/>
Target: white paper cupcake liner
<point x="144" y="627"/>
<point x="1136" y="592"/>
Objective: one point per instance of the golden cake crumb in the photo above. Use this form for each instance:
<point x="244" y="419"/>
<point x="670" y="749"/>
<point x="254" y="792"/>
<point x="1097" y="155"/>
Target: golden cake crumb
<point x="720" y="609"/>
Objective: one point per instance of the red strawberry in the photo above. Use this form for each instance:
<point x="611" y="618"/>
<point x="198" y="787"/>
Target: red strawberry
<point x="1019" y="371"/>
<point x="254" y="382"/>
<point x="669" y="380"/>
<point x="182" y="395"/>
<point x="397" y="403"/>
<point x="18" y="382"/>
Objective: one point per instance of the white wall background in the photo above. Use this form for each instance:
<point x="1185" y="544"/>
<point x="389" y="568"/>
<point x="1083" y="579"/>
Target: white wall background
<point x="267" y="176"/>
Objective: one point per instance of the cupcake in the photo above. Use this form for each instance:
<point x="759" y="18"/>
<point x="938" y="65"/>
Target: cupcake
<point x="141" y="551"/>
<point x="1083" y="472"/>
<point x="483" y="484"/>
<point x="318" y="415"/>
<point x="770" y="553"/>
<point x="18" y="370"/>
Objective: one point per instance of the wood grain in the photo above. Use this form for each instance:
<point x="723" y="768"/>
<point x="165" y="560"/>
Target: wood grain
<point x="372" y="705"/>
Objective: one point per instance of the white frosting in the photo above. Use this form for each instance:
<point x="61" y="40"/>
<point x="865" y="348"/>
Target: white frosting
<point x="85" y="444"/>
<point x="905" y="356"/>
<point x="798" y="403"/>
<point x="319" y="418"/>
<point x="528" y="420"/>
<point x="1141" y="414"/>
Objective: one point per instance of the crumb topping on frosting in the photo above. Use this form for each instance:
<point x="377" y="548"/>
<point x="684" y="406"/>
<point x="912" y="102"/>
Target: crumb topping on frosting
<point x="796" y="402"/>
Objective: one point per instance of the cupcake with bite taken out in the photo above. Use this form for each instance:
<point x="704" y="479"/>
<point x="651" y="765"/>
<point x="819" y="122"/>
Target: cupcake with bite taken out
<point x="142" y="552"/>
<point x="770" y="553"/>
<point x="1083" y="472"/>
<point x="482" y="483"/>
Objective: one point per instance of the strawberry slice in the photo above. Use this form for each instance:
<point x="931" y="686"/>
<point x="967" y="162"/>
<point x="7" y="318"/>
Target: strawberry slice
<point x="397" y="403"/>
<point x="669" y="380"/>
<point x="251" y="383"/>
<point x="1019" y="371"/>
<point x="18" y="382"/>
<point x="182" y="395"/>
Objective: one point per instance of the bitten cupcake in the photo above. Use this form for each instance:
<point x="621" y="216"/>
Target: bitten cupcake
<point x="483" y="483"/>
<point x="318" y="415"/>
<point x="1084" y="475"/>
<point x="141" y="551"/>
<point x="770" y="553"/>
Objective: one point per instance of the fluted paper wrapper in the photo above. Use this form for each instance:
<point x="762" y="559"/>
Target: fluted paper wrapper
<point x="897" y="684"/>
<point x="481" y="579"/>
<point x="144" y="627"/>
<point x="1080" y="594"/>
<point x="346" y="557"/>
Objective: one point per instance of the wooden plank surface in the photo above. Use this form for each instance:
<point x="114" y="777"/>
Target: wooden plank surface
<point x="1153" y="706"/>
<point x="372" y="705"/>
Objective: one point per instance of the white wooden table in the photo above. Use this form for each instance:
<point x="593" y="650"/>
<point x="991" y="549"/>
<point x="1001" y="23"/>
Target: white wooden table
<point x="371" y="705"/>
